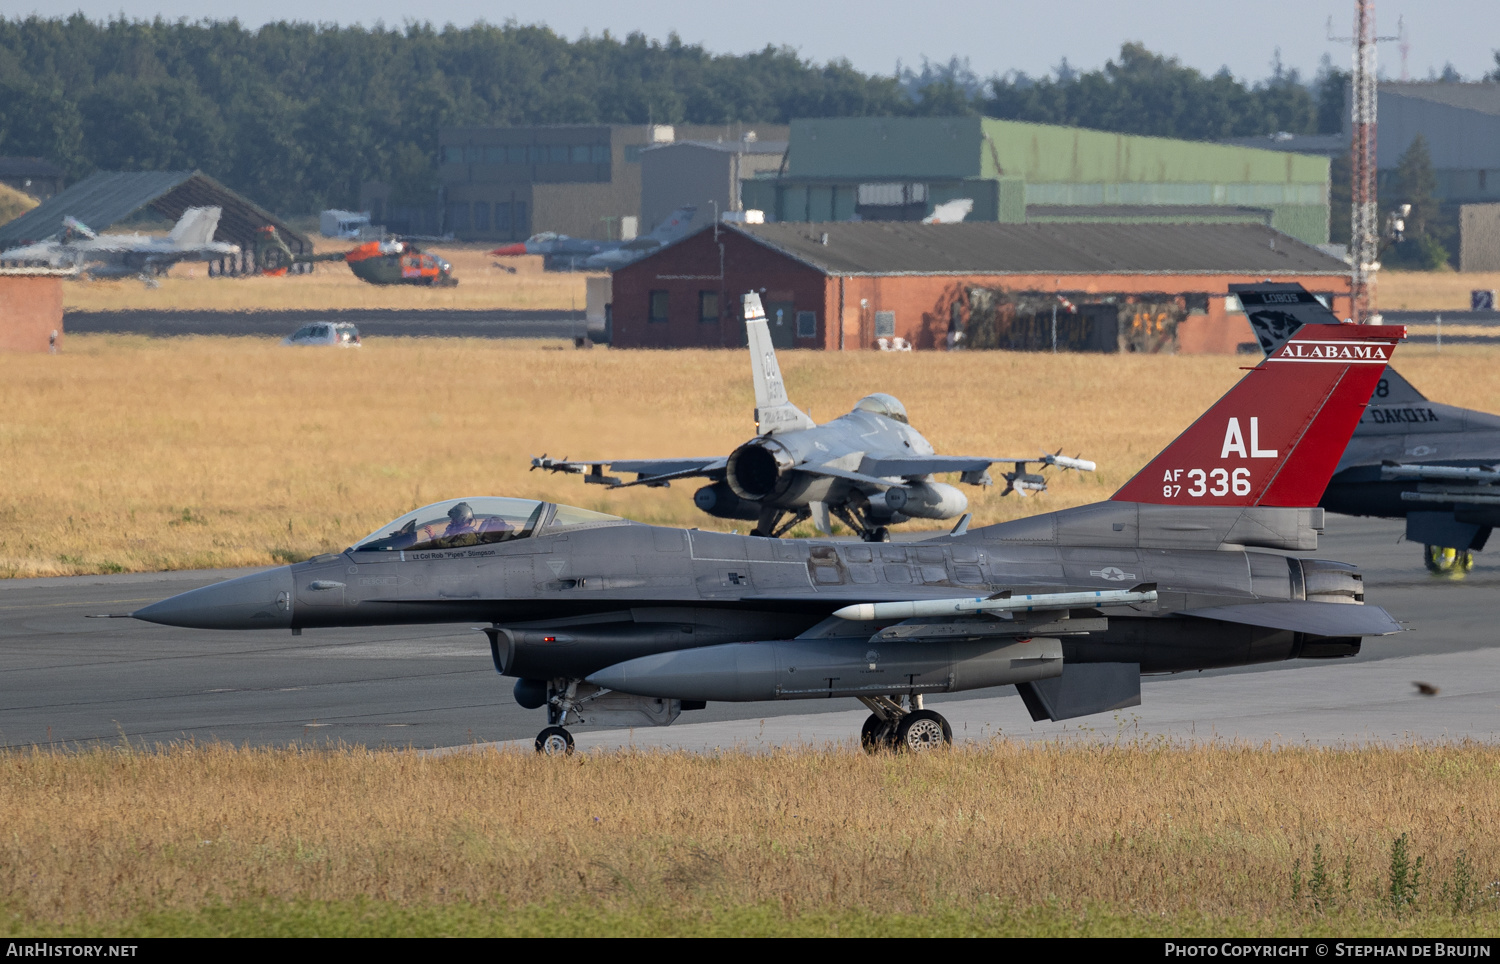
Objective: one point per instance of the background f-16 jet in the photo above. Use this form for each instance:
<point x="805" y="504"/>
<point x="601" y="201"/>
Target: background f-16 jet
<point x="127" y="255"/>
<point x="869" y="468"/>
<point x="563" y="253"/>
<point x="1434" y="465"/>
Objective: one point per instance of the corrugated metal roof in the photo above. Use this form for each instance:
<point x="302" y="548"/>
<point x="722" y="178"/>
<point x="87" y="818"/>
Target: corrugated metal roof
<point x="1483" y="98"/>
<point x="904" y="247"/>
<point x="105" y="198"/>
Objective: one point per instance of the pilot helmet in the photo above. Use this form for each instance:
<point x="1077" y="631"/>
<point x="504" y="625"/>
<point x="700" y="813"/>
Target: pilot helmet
<point x="461" y="513"/>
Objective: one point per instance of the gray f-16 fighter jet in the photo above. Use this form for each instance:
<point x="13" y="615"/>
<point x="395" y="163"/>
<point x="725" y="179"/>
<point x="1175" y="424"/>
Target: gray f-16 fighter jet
<point x="126" y="255"/>
<point x="603" y="620"/>
<point x="869" y="468"/>
<point x="1434" y="465"/>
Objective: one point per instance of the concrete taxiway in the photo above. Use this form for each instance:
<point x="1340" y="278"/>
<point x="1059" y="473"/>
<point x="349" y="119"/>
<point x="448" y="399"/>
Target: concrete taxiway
<point x="69" y="680"/>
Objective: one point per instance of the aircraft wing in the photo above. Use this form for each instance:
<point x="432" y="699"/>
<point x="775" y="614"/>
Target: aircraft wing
<point x="650" y="472"/>
<point x="1317" y="618"/>
<point x="913" y="465"/>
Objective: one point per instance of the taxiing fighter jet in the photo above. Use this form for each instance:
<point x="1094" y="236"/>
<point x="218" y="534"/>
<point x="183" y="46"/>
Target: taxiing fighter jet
<point x="128" y="255"/>
<point x="563" y="253"/>
<point x="869" y="468"/>
<point x="1437" y="466"/>
<point x="603" y="620"/>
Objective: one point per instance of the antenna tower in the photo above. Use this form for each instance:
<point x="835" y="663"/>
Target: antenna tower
<point x="1364" y="233"/>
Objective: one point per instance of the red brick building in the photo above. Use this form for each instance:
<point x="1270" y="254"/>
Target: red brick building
<point x="847" y="285"/>
<point x="31" y="309"/>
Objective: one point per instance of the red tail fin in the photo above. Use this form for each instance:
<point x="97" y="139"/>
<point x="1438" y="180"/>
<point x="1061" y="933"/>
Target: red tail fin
<point x="1277" y="436"/>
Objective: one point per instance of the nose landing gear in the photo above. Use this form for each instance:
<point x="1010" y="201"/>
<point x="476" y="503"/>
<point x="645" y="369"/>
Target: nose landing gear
<point x="554" y="741"/>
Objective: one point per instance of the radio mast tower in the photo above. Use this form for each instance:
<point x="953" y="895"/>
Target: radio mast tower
<point x="1364" y="233"/>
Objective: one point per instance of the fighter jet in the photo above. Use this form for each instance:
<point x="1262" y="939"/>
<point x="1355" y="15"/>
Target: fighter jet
<point x="128" y="255"/>
<point x="1437" y="466"/>
<point x="564" y="253"/>
<point x="869" y="468"/>
<point x="605" y="621"/>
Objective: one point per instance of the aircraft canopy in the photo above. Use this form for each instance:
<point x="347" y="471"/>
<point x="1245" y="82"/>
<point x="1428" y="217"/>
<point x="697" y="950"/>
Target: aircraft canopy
<point x="475" y="521"/>
<point x="882" y="404"/>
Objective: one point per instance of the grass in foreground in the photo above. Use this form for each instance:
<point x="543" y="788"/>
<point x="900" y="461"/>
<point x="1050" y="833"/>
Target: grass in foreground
<point x="128" y="454"/>
<point x="1132" y="838"/>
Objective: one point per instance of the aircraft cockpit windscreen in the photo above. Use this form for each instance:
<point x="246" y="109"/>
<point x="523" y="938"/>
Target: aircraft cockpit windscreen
<point x="882" y="404"/>
<point x="457" y="524"/>
<point x="571" y="515"/>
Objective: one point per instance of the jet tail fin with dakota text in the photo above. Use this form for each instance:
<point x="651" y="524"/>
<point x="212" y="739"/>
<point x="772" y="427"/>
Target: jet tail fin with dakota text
<point x="774" y="412"/>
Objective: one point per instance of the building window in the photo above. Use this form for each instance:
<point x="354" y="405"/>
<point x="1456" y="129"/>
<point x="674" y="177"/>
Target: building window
<point x="807" y="324"/>
<point x="516" y="154"/>
<point x="522" y="219"/>
<point x="482" y="216"/>
<point x="558" y="154"/>
<point x="600" y="153"/>
<point x="1232" y="304"/>
<point x="659" y="303"/>
<point x="458" y="216"/>
<point x="708" y="306"/>
<point x="885" y="324"/>
<point x="580" y="154"/>
<point x="453" y="155"/>
<point x="502" y="217"/>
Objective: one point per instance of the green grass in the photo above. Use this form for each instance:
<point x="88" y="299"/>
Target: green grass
<point x="370" y="918"/>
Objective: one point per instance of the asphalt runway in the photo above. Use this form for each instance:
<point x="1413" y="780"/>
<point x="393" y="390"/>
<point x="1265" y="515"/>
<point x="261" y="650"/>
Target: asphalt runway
<point x="68" y="680"/>
<point x="372" y="322"/>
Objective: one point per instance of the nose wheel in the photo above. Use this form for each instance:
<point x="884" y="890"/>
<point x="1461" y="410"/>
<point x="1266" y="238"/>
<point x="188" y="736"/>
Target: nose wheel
<point x="554" y="741"/>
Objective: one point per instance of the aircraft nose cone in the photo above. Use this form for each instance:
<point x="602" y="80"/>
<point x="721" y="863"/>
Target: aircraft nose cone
<point x="259" y="601"/>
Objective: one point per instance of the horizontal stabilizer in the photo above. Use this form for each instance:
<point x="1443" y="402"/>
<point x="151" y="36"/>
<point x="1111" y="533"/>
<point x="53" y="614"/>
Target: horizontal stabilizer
<point x="1083" y="689"/>
<point x="1313" y="618"/>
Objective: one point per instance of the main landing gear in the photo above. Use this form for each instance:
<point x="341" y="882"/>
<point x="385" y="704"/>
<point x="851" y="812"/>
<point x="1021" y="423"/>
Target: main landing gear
<point x="909" y="729"/>
<point x="1444" y="561"/>
<point x="770" y="523"/>
<point x="856" y="518"/>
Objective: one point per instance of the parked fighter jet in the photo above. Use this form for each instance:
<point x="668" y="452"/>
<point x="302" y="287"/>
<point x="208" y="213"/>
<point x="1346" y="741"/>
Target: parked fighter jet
<point x="602" y="620"/>
<point x="563" y="253"/>
<point x="869" y="468"/>
<point x="128" y="255"/>
<point x="1437" y="466"/>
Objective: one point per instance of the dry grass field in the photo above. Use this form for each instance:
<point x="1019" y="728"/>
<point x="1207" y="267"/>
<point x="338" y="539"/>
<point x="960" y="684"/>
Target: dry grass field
<point x="482" y="284"/>
<point x="1220" y="839"/>
<point x="134" y="454"/>
<point x="1431" y="290"/>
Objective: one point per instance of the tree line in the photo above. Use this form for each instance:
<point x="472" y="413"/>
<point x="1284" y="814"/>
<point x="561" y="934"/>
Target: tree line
<point x="298" y="115"/>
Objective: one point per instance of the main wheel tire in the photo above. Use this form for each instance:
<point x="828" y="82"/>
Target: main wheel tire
<point x="923" y="730"/>
<point x="876" y="735"/>
<point x="878" y="534"/>
<point x="554" y="741"/>
<point x="1443" y="560"/>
